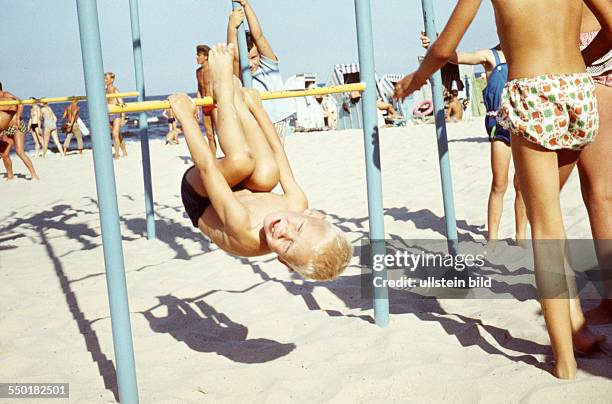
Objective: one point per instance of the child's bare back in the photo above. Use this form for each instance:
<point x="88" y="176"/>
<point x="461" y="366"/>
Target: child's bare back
<point x="532" y="46"/>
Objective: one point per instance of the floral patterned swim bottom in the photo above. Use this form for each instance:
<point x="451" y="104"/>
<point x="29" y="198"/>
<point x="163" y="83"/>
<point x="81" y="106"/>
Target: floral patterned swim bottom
<point x="553" y="111"/>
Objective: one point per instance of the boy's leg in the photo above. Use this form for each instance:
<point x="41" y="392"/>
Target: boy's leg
<point x="520" y="214"/>
<point x="595" y="169"/>
<point x="500" y="162"/>
<point x="266" y="174"/>
<point x="238" y="163"/>
<point x="538" y="176"/>
<point x="19" y="140"/>
<point x="115" y="127"/>
<point x="6" y="157"/>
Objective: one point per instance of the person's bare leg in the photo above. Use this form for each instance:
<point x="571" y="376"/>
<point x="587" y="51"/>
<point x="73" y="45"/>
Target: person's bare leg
<point x="57" y="142"/>
<point x="266" y="174"/>
<point x="500" y="163"/>
<point x="538" y="175"/>
<point x="37" y="145"/>
<point x="595" y="169"/>
<point x="116" y="131"/>
<point x="520" y="215"/>
<point x="238" y="163"/>
<point x="46" y="137"/>
<point x="210" y="132"/>
<point x="19" y="140"/>
<point x="6" y="159"/>
<point x="584" y="339"/>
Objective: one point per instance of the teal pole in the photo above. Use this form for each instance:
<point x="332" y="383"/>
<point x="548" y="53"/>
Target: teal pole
<point x="245" y="68"/>
<point x="367" y="71"/>
<point x="107" y="199"/>
<point x="443" y="155"/>
<point x="142" y="121"/>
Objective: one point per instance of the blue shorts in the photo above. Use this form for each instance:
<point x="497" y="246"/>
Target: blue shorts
<point x="495" y="131"/>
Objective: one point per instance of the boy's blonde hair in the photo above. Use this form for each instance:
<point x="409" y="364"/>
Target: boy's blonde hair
<point x="330" y="258"/>
<point x="110" y="74"/>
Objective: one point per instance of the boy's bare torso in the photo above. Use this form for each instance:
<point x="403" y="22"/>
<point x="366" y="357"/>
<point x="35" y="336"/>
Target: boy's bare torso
<point x="532" y="44"/>
<point x="7" y="113"/>
<point x="111" y="89"/>
<point x="249" y="242"/>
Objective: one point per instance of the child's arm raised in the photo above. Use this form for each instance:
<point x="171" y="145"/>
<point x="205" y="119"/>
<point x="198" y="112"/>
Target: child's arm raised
<point x="442" y="49"/>
<point x="232" y="213"/>
<point x="602" y="9"/>
<point x="479" y="57"/>
<point x="236" y="18"/>
<point x="264" y="47"/>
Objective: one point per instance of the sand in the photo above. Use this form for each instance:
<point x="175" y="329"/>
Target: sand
<point x="209" y="327"/>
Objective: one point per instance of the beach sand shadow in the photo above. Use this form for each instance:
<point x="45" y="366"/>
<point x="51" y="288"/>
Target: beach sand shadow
<point x="207" y="330"/>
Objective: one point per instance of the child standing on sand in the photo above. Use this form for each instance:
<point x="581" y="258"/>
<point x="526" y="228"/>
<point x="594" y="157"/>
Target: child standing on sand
<point x="116" y="121"/>
<point x="549" y="107"/>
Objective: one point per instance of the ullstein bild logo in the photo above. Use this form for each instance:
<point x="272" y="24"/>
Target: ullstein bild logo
<point x="474" y="269"/>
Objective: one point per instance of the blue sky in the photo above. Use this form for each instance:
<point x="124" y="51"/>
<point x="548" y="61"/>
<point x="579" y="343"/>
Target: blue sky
<point x="41" y="54"/>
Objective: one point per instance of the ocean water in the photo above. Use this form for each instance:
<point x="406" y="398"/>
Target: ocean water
<point x="130" y="132"/>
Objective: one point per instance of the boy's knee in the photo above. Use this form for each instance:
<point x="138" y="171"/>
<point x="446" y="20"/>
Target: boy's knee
<point x="243" y="162"/>
<point x="499" y="186"/>
<point x="266" y="176"/>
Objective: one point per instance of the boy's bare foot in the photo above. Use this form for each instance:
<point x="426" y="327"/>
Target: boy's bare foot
<point x="566" y="371"/>
<point x="221" y="62"/>
<point x="601" y="314"/>
<point x="10" y="177"/>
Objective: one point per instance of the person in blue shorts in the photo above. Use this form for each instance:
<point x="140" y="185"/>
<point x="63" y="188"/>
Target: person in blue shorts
<point x="494" y="64"/>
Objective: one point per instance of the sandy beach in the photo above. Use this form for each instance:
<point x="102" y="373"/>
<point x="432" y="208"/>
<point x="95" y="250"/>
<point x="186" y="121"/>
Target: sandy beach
<point x="209" y="327"/>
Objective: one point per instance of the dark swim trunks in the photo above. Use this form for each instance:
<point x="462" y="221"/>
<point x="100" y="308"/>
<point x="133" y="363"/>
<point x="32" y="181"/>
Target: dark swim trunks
<point x="194" y="204"/>
<point x="495" y="131"/>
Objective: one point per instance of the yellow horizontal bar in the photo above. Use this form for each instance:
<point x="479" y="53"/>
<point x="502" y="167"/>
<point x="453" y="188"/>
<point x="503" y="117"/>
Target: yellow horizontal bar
<point x="64" y="99"/>
<point x="206" y="101"/>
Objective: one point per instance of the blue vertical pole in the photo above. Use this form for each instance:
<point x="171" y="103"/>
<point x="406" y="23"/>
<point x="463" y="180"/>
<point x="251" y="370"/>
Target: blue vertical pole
<point x="245" y="68"/>
<point x="443" y="156"/>
<point x="372" y="153"/>
<point x="107" y="199"/>
<point x="144" y="125"/>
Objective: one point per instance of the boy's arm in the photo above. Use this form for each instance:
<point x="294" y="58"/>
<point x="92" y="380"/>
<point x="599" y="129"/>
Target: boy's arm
<point x="232" y="213"/>
<point x="442" y="49"/>
<point x="235" y="20"/>
<point x="602" y="9"/>
<point x="479" y="57"/>
<point x="264" y="47"/>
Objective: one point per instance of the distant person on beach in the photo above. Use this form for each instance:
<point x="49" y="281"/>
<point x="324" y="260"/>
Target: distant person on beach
<point x="50" y="129"/>
<point x="454" y="112"/>
<point x="12" y="133"/>
<point x="389" y="112"/>
<point x="550" y="110"/>
<point x="35" y="128"/>
<point x="116" y="121"/>
<point x="264" y="65"/>
<point x="330" y="111"/>
<point x="230" y="199"/>
<point x="493" y="62"/>
<point x="71" y="116"/>
<point x="204" y="89"/>
<point x="595" y="169"/>
<point x="173" y="129"/>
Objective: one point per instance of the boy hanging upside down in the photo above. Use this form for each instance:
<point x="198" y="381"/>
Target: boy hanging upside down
<point x="230" y="199"/>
